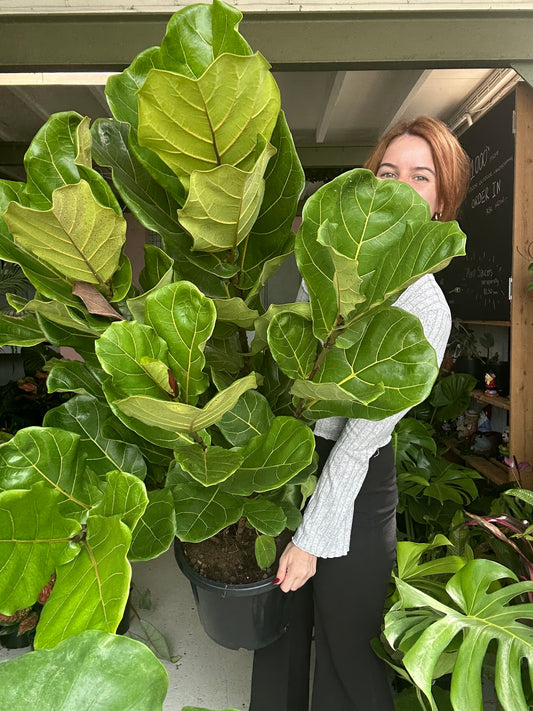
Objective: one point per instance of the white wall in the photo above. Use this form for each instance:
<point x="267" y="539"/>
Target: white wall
<point x="139" y="6"/>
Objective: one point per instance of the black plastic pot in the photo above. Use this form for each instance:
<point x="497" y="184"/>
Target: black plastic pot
<point x="247" y="616"/>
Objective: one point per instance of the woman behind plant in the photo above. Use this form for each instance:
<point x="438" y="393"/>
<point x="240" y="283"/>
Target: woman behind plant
<point x="346" y="543"/>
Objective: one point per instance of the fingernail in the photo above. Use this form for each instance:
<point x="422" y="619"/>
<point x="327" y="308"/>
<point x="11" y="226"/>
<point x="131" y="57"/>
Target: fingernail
<point x="277" y="581"/>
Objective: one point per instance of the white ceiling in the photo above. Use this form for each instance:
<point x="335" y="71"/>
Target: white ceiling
<point x="325" y="109"/>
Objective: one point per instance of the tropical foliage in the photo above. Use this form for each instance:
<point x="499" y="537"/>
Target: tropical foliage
<point x="193" y="405"/>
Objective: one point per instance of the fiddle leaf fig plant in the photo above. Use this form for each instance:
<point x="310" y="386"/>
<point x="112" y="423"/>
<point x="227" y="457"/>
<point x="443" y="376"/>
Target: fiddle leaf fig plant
<point x="194" y="404"/>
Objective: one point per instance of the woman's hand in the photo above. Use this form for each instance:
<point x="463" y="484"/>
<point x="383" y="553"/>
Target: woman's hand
<point x="295" y="568"/>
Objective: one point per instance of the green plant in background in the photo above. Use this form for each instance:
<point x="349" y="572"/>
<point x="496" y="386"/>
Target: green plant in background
<point x="193" y="407"/>
<point x="455" y="620"/>
<point x="90" y="670"/>
<point x="431" y="488"/>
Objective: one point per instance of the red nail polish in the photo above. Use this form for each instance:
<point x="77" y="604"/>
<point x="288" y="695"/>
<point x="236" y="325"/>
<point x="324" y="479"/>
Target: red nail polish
<point x="277" y="581"/>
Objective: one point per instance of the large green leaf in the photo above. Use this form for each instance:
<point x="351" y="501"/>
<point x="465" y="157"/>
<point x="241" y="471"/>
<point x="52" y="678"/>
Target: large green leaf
<point x="175" y="416"/>
<point x="408" y="437"/>
<point x="384" y="227"/>
<point x="156" y="529"/>
<point x="90" y="591"/>
<point x="157" y="264"/>
<point x="271" y="234"/>
<point x="184" y="318"/>
<point x="480" y="612"/>
<point x="207" y="465"/>
<point x="250" y="416"/>
<point x="264" y="515"/>
<point x="124" y="351"/>
<point x="273" y="458"/>
<point x="20" y="330"/>
<point x="77" y="236"/>
<point x="153" y="205"/>
<point x="74" y="376"/>
<point x="293" y="344"/>
<point x="60" y="154"/>
<point x="234" y="101"/>
<point x="45" y="454"/>
<point x="34" y="539"/>
<point x="92" y="670"/>
<point x="125" y="496"/>
<point x="85" y="415"/>
<point x="201" y="511"/>
<point x="223" y="204"/>
<point x="391" y="351"/>
<point x="451" y="395"/>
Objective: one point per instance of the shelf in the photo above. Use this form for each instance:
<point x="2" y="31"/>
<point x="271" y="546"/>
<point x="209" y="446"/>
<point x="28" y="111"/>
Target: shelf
<point x="496" y="400"/>
<point x="490" y="467"/>
<point x="484" y="323"/>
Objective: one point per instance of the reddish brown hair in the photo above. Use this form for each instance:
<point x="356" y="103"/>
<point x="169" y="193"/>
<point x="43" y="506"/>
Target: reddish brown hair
<point x="452" y="164"/>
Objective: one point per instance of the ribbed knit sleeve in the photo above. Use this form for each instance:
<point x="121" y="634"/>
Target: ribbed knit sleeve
<point x="326" y="526"/>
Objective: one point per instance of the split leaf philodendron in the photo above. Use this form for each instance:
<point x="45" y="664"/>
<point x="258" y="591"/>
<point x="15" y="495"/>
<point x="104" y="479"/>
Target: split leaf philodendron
<point x="193" y="406"/>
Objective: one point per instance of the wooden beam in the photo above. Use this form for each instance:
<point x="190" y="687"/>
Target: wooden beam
<point x="290" y="40"/>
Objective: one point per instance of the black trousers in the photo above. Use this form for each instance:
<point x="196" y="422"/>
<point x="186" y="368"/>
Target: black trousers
<point x="345" y="601"/>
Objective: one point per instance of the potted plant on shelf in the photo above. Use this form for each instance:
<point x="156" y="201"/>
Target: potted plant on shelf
<point x="193" y="407"/>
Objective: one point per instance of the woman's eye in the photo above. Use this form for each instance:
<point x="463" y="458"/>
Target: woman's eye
<point x="387" y="176"/>
<point x="421" y="178"/>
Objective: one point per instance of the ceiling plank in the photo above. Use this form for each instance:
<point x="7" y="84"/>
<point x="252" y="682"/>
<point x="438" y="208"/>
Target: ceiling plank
<point x="299" y="40"/>
<point x="417" y="84"/>
<point x="327" y="114"/>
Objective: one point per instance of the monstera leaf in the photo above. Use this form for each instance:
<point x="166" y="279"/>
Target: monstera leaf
<point x="479" y="612"/>
<point x="90" y="667"/>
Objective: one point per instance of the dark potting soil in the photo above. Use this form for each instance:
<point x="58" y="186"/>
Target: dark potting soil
<point x="229" y="557"/>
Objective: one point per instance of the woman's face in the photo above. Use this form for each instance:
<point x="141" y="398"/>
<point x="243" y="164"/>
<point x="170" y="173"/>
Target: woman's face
<point x="409" y="159"/>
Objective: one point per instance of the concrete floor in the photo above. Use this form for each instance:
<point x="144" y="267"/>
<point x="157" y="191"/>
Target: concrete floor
<point x="206" y="674"/>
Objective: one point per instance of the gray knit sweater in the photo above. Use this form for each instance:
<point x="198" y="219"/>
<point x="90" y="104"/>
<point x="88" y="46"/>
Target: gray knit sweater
<point x="327" y="522"/>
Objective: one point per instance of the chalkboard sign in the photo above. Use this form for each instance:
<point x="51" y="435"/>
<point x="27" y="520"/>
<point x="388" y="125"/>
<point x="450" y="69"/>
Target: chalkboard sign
<point x="477" y="286"/>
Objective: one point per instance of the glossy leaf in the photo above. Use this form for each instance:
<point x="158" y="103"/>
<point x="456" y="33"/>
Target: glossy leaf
<point x="265" y="551"/>
<point x="481" y="613"/>
<point x="408" y="437"/>
<point x="391" y="350"/>
<point x="451" y="395"/>
<point x="157" y="264"/>
<point x="174" y="416"/>
<point x="74" y="376"/>
<point x="121" y="350"/>
<point x="202" y="511"/>
<point x="207" y="465"/>
<point x="273" y="458"/>
<point x="212" y="106"/>
<point x="77" y="236"/>
<point x="85" y="415"/>
<point x="91" y="591"/>
<point x="34" y="539"/>
<point x="124" y="496"/>
<point x="154" y="206"/>
<point x="184" y="318"/>
<point x="293" y="344"/>
<point x="223" y="204"/>
<point x="384" y="227"/>
<point x="235" y="311"/>
<point x="45" y="454"/>
<point x="266" y="516"/>
<point x="271" y="239"/>
<point x="93" y="669"/>
<point x="20" y="330"/>
<point x="250" y="416"/>
<point x="156" y="529"/>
